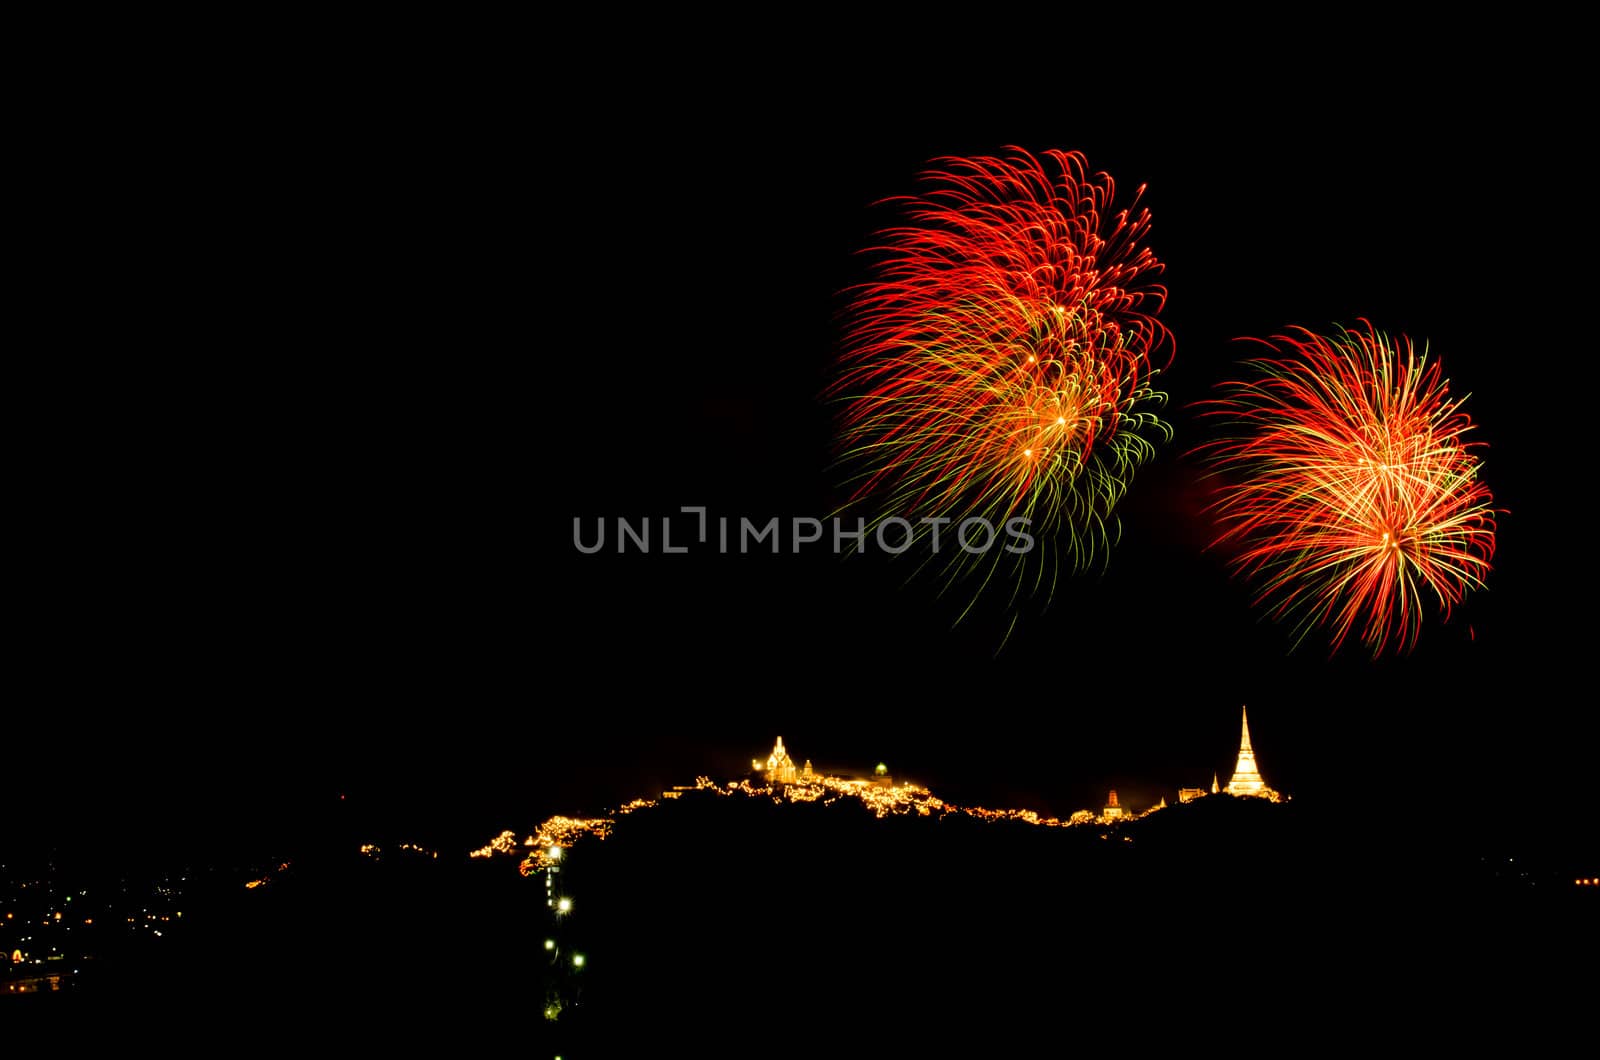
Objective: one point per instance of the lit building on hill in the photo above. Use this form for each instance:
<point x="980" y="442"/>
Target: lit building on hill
<point x="1246" y="777"/>
<point x="1246" y="780"/>
<point x="779" y="767"/>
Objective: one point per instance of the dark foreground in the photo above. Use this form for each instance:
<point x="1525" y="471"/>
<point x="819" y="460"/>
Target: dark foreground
<point x="736" y="926"/>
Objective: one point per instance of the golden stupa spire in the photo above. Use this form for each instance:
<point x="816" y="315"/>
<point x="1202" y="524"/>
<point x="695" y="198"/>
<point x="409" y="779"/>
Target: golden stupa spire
<point x="1246" y="778"/>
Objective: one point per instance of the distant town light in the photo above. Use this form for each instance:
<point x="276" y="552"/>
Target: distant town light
<point x="564" y="906"/>
<point x="549" y="944"/>
<point x="555" y="853"/>
<point x="577" y="960"/>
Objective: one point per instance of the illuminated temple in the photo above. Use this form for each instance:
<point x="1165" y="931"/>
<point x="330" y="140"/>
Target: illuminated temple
<point x="779" y="767"/>
<point x="1246" y="777"/>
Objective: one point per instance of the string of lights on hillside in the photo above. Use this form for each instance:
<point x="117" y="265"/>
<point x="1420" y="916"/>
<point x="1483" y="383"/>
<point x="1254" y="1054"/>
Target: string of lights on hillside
<point x="781" y="781"/>
<point x="882" y="799"/>
<point x="778" y="779"/>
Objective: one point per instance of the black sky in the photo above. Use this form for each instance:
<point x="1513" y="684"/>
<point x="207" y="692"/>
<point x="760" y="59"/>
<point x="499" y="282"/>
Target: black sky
<point x="332" y="368"/>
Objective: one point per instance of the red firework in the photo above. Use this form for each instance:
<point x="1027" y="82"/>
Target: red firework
<point x="999" y="365"/>
<point x="1350" y="487"/>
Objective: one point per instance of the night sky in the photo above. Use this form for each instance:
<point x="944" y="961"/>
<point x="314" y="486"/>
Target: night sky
<point x="334" y="369"/>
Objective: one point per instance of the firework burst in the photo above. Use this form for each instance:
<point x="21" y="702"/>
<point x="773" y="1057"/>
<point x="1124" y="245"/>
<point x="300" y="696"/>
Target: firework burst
<point x="999" y="364"/>
<point x="1350" y="488"/>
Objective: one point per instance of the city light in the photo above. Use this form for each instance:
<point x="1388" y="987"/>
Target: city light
<point x="564" y="906"/>
<point x="577" y="960"/>
<point x="549" y="944"/>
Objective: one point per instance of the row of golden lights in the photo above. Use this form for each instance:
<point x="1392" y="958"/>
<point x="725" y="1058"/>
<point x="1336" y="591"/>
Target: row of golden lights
<point x="372" y="850"/>
<point x="251" y="885"/>
<point x="884" y="800"/>
<point x="560" y="832"/>
<point x="553" y="835"/>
